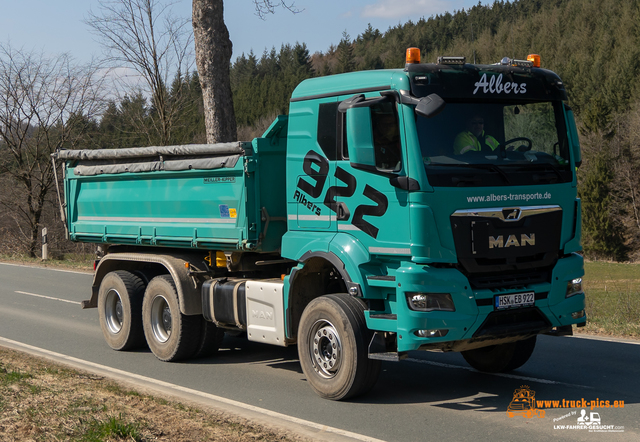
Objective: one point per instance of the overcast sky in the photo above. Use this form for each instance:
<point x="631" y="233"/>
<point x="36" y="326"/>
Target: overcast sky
<point x="56" y="26"/>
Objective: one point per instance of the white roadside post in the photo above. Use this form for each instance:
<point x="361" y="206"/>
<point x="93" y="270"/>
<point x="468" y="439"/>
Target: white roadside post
<point x="45" y="246"/>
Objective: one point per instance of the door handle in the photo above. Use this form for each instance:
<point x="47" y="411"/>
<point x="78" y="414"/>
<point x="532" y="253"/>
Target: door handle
<point x="342" y="212"/>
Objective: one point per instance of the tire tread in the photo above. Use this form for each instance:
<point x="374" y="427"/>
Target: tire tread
<point x="135" y="289"/>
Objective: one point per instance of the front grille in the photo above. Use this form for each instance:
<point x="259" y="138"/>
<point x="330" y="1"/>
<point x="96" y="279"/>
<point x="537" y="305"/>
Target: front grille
<point x="488" y="242"/>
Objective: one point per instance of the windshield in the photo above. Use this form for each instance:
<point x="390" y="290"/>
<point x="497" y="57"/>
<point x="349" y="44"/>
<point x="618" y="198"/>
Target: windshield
<point x="491" y="144"/>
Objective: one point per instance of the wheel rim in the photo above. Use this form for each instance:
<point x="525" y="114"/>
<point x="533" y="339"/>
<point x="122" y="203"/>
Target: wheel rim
<point x="114" y="313"/>
<point x="325" y="348"/>
<point x="161" y="319"/>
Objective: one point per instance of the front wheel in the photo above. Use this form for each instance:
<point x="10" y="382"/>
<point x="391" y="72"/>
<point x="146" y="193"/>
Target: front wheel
<point x="333" y="347"/>
<point x="171" y="335"/>
<point x="501" y="358"/>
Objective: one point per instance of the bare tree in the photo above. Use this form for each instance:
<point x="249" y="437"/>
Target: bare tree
<point x="145" y="36"/>
<point x="213" y="57"/>
<point x="45" y="104"/>
<point x="626" y="181"/>
<point x="264" y="7"/>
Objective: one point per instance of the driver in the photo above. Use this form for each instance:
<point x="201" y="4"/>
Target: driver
<point x="474" y="138"/>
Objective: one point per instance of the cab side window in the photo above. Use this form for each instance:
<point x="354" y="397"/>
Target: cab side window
<point x="386" y="137"/>
<point x="328" y="129"/>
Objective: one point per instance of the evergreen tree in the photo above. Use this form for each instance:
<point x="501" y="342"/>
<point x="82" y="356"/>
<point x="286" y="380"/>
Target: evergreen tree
<point x="601" y="235"/>
<point x="345" y="62"/>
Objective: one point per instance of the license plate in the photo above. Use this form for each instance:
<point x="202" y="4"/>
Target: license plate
<point x="515" y="300"/>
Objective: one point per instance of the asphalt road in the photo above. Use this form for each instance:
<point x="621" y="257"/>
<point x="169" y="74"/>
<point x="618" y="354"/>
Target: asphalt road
<point x="429" y="396"/>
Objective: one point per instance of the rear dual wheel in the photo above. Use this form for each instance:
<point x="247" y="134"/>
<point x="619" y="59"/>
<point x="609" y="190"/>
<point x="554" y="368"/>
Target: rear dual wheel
<point x="171" y="336"/>
<point x="129" y="314"/>
<point x="120" y="310"/>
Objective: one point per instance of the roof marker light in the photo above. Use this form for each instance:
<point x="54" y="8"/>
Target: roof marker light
<point x="535" y="59"/>
<point x="413" y="56"/>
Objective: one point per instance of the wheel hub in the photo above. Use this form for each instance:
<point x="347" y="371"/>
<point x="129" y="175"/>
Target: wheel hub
<point x="114" y="312"/>
<point x="166" y="319"/>
<point x="161" y="319"/>
<point x="119" y="312"/>
<point x="326" y="349"/>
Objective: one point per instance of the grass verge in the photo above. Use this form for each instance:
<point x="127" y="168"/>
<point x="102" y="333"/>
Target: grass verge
<point x="71" y="261"/>
<point x="42" y="401"/>
<point x="612" y="298"/>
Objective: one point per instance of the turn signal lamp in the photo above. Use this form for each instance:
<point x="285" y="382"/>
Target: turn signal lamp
<point x="413" y="56"/>
<point x="578" y="315"/>
<point x="535" y="59"/>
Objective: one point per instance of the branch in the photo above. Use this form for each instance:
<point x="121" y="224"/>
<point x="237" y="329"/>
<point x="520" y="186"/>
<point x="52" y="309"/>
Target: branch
<point x="265" y="7"/>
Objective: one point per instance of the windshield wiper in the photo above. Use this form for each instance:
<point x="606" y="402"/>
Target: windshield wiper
<point x="485" y="166"/>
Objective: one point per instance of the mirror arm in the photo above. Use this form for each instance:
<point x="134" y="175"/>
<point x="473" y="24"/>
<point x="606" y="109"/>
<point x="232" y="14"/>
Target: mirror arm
<point x="407" y="98"/>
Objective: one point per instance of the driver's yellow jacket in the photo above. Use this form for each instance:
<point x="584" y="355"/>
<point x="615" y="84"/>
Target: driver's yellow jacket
<point x="466" y="141"/>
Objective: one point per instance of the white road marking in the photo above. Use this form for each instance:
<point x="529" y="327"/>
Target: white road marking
<point x="607" y="339"/>
<point x="120" y="374"/>
<point x="48" y="297"/>
<point x="46" y="268"/>
<point x="502" y="375"/>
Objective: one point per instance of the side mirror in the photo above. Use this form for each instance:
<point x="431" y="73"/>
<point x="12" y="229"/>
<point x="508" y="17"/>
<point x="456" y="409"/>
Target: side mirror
<point x="430" y="106"/>
<point x="360" y="136"/>
<point x="574" y="141"/>
<point x="359" y="128"/>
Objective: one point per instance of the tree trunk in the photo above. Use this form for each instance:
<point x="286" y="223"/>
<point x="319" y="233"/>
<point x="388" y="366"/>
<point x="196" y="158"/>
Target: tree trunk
<point x="213" y="55"/>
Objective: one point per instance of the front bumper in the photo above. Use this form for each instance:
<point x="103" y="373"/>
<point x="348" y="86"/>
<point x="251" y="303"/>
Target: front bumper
<point x="475" y="321"/>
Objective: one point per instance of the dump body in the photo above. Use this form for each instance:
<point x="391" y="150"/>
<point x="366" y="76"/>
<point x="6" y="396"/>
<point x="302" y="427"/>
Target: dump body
<point x="198" y="196"/>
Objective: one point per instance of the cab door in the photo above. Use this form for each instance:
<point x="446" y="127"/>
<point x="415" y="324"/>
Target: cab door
<point x="369" y="205"/>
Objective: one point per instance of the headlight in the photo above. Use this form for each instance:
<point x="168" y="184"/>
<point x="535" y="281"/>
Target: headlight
<point x="441" y="333"/>
<point x="428" y="302"/>
<point x="574" y="287"/>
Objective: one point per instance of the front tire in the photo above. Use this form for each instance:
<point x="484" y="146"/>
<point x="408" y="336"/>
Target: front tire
<point x="333" y="347"/>
<point x="501" y="358"/>
<point x="120" y="310"/>
<point x="171" y="335"/>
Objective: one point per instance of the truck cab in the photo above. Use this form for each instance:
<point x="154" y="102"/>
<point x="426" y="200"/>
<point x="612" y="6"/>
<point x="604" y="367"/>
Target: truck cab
<point x="453" y="248"/>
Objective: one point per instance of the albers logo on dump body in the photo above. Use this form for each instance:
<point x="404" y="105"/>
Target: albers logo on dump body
<point x="512" y="241"/>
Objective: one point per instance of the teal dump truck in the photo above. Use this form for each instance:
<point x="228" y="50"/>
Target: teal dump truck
<point x="427" y="208"/>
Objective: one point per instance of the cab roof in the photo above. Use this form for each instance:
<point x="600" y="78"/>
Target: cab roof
<point x="453" y="82"/>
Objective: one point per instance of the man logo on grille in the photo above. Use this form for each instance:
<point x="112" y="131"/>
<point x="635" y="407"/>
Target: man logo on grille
<point x="512" y="241"/>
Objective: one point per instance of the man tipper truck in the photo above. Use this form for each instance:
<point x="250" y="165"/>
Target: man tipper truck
<point x="351" y="228"/>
